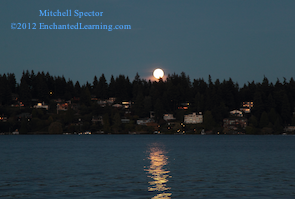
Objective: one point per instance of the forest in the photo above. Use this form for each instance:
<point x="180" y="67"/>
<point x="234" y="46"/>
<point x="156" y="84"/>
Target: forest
<point x="272" y="111"/>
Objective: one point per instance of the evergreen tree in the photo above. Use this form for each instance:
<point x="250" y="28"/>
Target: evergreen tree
<point x="106" y="123"/>
<point x="60" y="87"/>
<point x="263" y="120"/>
<point x="123" y="88"/>
<point x="253" y="121"/>
<point x="55" y="128"/>
<point x="85" y="97"/>
<point x="158" y="110"/>
<point x="116" y="122"/>
<point x="138" y="106"/>
<point x="136" y="86"/>
<point x="278" y="126"/>
<point x="77" y="89"/>
<point x="172" y="94"/>
<point x="112" y="87"/>
<point x="12" y="82"/>
<point x="50" y="83"/>
<point x="40" y="90"/>
<point x="24" y="129"/>
<point x="25" y="92"/>
<point x="147" y="106"/>
<point x="272" y="115"/>
<point x="70" y="90"/>
<point x="209" y="121"/>
<point x="69" y="116"/>
<point x="199" y="103"/>
<point x="286" y="112"/>
<point x="5" y="92"/>
<point x="270" y="102"/>
<point x="95" y="90"/>
<point x="258" y="104"/>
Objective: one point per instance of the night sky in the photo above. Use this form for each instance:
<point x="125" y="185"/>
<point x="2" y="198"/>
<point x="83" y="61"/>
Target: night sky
<point x="240" y="39"/>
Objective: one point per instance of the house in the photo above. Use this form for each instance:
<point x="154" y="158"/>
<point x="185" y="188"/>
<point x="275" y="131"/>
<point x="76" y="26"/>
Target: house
<point x="16" y="132"/>
<point x="125" y="121"/>
<point x="17" y="104"/>
<point x="168" y="117"/>
<point x="14" y="97"/>
<point x="93" y="98"/>
<point x="63" y="106"/>
<point x="236" y="113"/>
<point x="117" y="106"/>
<point x="184" y="106"/>
<point x="289" y="129"/>
<point x="109" y="102"/>
<point x="126" y="104"/>
<point x="24" y="115"/>
<point x="246" y="107"/>
<point x="144" y="121"/>
<point x="193" y="118"/>
<point x="102" y="103"/>
<point x="41" y="105"/>
<point x="235" y="122"/>
<point x="3" y="118"/>
<point x="96" y="119"/>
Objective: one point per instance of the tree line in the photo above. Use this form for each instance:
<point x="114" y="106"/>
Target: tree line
<point x="273" y="102"/>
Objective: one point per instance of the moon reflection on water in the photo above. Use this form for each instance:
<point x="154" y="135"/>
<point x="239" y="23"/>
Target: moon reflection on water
<point x="158" y="172"/>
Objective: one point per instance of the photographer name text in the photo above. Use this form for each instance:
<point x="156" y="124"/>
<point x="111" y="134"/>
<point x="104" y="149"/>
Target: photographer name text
<point x="68" y="13"/>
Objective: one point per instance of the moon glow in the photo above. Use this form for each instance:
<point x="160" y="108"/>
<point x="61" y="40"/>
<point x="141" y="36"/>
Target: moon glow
<point x="158" y="73"/>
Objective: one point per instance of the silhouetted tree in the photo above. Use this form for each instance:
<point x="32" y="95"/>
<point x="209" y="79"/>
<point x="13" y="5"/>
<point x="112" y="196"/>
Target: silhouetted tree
<point x="158" y="110"/>
<point x="77" y="89"/>
<point x="263" y="120"/>
<point x="25" y="92"/>
<point x="116" y="122"/>
<point x="5" y="91"/>
<point x="138" y="106"/>
<point x="209" y="121"/>
<point x="253" y="121"/>
<point x="102" y="88"/>
<point x="286" y="112"/>
<point x="85" y="97"/>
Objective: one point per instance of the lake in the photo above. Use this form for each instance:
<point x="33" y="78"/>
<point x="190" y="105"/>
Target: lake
<point x="147" y="166"/>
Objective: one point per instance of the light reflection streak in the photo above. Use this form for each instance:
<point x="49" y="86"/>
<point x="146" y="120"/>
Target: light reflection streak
<point x="158" y="173"/>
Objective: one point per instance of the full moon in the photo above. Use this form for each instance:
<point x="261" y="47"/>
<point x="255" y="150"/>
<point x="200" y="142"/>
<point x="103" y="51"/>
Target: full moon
<point x="158" y="73"/>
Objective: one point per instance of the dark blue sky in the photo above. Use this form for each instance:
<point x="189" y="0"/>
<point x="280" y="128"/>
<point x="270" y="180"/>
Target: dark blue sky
<point x="240" y="39"/>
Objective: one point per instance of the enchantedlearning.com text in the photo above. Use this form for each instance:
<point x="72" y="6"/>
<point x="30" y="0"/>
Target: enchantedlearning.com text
<point x="77" y="26"/>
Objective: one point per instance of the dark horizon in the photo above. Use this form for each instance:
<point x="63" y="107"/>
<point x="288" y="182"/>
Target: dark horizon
<point x="178" y="95"/>
<point x="152" y="79"/>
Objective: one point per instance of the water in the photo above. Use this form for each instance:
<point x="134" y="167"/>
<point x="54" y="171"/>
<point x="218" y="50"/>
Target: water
<point x="147" y="166"/>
